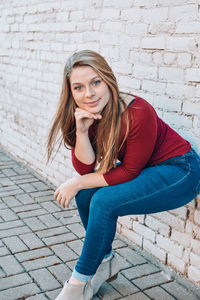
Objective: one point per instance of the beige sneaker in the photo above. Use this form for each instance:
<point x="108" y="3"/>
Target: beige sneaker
<point x="76" y="292"/>
<point x="107" y="271"/>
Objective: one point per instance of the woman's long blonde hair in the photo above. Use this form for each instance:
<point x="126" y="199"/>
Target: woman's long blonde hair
<point x="109" y="128"/>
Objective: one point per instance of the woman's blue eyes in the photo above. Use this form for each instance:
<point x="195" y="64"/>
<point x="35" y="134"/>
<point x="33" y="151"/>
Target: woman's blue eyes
<point x="95" y="83"/>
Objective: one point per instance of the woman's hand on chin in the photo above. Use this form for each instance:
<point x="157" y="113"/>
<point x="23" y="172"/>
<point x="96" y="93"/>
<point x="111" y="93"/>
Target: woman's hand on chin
<point x="67" y="191"/>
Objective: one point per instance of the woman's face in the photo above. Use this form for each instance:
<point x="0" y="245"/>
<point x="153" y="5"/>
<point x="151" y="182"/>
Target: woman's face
<point x="89" y="91"/>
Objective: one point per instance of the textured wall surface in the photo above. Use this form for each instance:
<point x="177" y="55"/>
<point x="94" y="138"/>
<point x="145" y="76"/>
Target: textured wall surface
<point x="153" y="48"/>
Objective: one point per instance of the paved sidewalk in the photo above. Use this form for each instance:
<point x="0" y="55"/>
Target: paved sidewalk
<point x="40" y="243"/>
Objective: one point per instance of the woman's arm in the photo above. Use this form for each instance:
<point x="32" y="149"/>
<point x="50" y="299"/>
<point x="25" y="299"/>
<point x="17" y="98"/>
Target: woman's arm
<point x="68" y="190"/>
<point x="83" y="148"/>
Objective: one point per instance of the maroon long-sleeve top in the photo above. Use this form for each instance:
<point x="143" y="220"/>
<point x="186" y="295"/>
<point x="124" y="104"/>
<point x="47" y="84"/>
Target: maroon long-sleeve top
<point x="150" y="141"/>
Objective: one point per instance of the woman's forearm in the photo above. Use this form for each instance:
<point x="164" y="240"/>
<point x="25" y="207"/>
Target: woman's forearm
<point x="91" y="180"/>
<point x="83" y="148"/>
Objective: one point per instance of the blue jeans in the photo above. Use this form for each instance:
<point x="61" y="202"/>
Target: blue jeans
<point x="164" y="186"/>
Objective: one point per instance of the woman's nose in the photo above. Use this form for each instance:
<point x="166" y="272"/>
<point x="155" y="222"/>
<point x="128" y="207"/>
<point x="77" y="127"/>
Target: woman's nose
<point x="89" y="92"/>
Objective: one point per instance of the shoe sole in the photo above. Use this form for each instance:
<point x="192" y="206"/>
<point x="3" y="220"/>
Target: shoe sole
<point x="114" y="277"/>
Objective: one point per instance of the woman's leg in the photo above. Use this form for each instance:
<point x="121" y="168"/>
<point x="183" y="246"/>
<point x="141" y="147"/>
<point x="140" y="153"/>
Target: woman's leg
<point x="83" y="199"/>
<point x="164" y="186"/>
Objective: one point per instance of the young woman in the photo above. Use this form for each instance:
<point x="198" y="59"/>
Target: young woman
<point x="130" y="162"/>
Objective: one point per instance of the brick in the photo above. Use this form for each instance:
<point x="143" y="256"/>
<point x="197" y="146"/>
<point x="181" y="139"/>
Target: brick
<point x="44" y="279"/>
<point x="144" y="231"/>
<point x="171" y="74"/>
<point x="155" y="250"/>
<point x="157" y="226"/>
<point x="177" y="263"/>
<point x="192" y="75"/>
<point x="171" y="220"/>
<point x="169" y="246"/>
<point x="33" y="213"/>
<point x="132" y="236"/>
<point x="50" y="206"/>
<point x="131" y="14"/>
<point x="15" y="280"/>
<point x="181" y="238"/>
<point x="195" y="260"/>
<point x="14" y="244"/>
<point x="183" y="12"/>
<point x="25" y="199"/>
<point x="125" y="221"/>
<point x="189" y="27"/>
<point x="11" y="201"/>
<point x="10" y="265"/>
<point x="194" y="274"/>
<point x="76" y="246"/>
<point x="153" y="43"/>
<point x="4" y="251"/>
<point x="142" y="71"/>
<point x="180" y="43"/>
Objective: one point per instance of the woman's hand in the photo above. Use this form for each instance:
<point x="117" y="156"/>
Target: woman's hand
<point x="84" y="119"/>
<point x="67" y="191"/>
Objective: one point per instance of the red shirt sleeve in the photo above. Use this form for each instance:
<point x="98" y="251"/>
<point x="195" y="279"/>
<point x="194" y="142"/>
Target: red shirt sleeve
<point x="79" y="166"/>
<point x="139" y="144"/>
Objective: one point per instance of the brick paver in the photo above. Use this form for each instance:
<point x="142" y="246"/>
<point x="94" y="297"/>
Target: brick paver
<point x="40" y="244"/>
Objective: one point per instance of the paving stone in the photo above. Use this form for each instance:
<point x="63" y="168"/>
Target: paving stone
<point x="24" y="208"/>
<point x="53" y="294"/>
<point x="14" y="244"/>
<point x="76" y="246"/>
<point x="118" y="244"/>
<point x="52" y="232"/>
<point x="14" y="231"/>
<point x="34" y="223"/>
<point x="44" y="279"/>
<point x="138" y="296"/>
<point x="41" y="263"/>
<point x="50" y="206"/>
<point x="61" y="272"/>
<point x="13" y="224"/>
<point x="77" y="229"/>
<point x="178" y="291"/>
<point x="124" y="286"/>
<point x="72" y="220"/>
<point x="10" y="265"/>
<point x="6" y="181"/>
<point x="21" y="169"/>
<point x="33" y="254"/>
<point x="15" y="280"/>
<point x="123" y="262"/>
<point x="3" y="206"/>
<point x="8" y="215"/>
<point x="25" y="180"/>
<point x="62" y="238"/>
<point x="11" y="201"/>
<point x="64" y="252"/>
<point x="19" y="292"/>
<point x="71" y="264"/>
<point x="107" y="292"/>
<point x="9" y="172"/>
<point x="38" y="297"/>
<point x="49" y="220"/>
<point x="31" y="240"/>
<point x="158" y="293"/>
<point x="11" y="193"/>
<point x="131" y="255"/>
<point x="151" y="280"/>
<point x="40" y="186"/>
<point x="43" y="194"/>
<point x="25" y="199"/>
<point x="27" y="187"/>
<point x="33" y="213"/>
<point x="140" y="271"/>
<point x="4" y="251"/>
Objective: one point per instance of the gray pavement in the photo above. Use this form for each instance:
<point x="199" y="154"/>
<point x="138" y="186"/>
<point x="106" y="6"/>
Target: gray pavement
<point x="40" y="243"/>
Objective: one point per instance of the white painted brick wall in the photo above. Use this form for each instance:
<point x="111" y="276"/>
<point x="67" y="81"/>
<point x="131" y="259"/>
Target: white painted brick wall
<point x="153" y="48"/>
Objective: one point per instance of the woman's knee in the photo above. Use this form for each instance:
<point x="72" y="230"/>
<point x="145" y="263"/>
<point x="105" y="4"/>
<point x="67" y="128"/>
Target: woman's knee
<point x="83" y="197"/>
